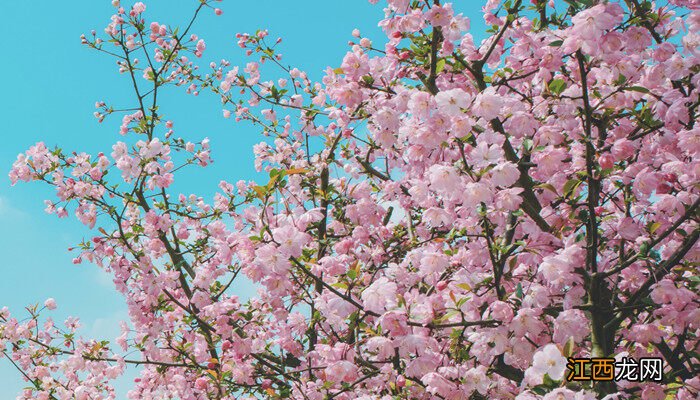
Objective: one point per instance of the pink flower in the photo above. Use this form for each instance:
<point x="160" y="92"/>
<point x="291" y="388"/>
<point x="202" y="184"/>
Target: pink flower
<point x="570" y="324"/>
<point x="438" y="385"/>
<point x="653" y="391"/>
<point x="646" y="334"/>
<point x="645" y="182"/>
<point x="484" y="154"/>
<point x="380" y="295"/>
<point x="200" y="47"/>
<point x="477" y="379"/>
<point x="455" y="182"/>
<point x="487" y="104"/>
<point x="355" y="64"/>
<point x="591" y="23"/>
<point x="509" y="199"/>
<point x="439" y="15"/>
<point x="433" y="263"/>
<point x="664" y="292"/>
<point x="521" y="124"/>
<point x="612" y="42"/>
<point x="291" y="241"/>
<point x="420" y="104"/>
<point x="443" y="179"/>
<point x="689" y="141"/>
<point x="138" y="8"/>
<point x="50" y="303"/>
<point x="550" y="160"/>
<point x="436" y="217"/>
<point x="394" y="322"/>
<point x="567" y="394"/>
<point x="628" y="229"/>
<point x="637" y="39"/>
<point x="341" y="371"/>
<point x="501" y="311"/>
<point x="201" y="383"/>
<point x="606" y="161"/>
<point x="382" y="346"/>
<point x="527" y="322"/>
<point x="549" y="360"/>
<point x="505" y="174"/>
<point x="451" y="102"/>
<point x="558" y="269"/>
<point x="476" y="193"/>
<point x="622" y="149"/>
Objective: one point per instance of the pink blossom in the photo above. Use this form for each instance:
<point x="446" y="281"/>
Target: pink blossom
<point x="438" y="384"/>
<point x="342" y="371"/>
<point x="420" y="104"/>
<point x="451" y="102"/>
<point x="138" y="8"/>
<point x="509" y="199"/>
<point x="570" y="324"/>
<point x="622" y="148"/>
<point x="50" y="303"/>
<point x="380" y="295"/>
<point x="417" y="228"/>
<point x="355" y="64"/>
<point x="291" y="241"/>
<point x="201" y="383"/>
<point x="443" y="179"/>
<point x="653" y="391"/>
<point x="549" y="360"/>
<point x="591" y="23"/>
<point x="439" y="15"/>
<point x="505" y="174"/>
<point x="488" y="105"/>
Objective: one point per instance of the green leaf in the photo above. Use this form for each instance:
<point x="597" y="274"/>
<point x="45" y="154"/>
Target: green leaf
<point x="339" y="285"/>
<point x="654" y="226"/>
<point x="539" y="390"/>
<point x="275" y="93"/>
<point x="549" y="382"/>
<point x="260" y="191"/>
<point x="570" y="186"/>
<point x="569" y="347"/>
<point x="644" y="249"/>
<point x="621" y="80"/>
<point x="639" y="89"/>
<point x="557" y="86"/>
<point x="556" y="43"/>
<point x="547" y="186"/>
<point x="440" y="65"/>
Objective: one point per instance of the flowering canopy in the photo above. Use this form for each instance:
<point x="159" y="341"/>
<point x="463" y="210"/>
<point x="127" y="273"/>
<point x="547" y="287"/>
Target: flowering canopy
<point x="443" y="219"/>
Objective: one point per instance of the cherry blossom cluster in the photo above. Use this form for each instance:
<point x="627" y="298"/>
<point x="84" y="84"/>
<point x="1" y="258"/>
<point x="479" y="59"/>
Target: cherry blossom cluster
<point x="444" y="218"/>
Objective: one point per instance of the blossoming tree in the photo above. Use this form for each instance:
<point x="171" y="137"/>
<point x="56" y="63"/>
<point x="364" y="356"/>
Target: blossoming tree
<point x="443" y="218"/>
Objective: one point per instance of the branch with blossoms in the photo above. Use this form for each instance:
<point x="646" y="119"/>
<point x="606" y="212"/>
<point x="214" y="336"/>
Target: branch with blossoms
<point x="443" y="218"/>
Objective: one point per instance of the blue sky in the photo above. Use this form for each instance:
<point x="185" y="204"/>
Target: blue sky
<point x="50" y="85"/>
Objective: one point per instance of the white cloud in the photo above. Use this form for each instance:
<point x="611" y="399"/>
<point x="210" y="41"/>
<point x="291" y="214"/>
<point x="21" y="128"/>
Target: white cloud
<point x="7" y="211"/>
<point x="108" y="328"/>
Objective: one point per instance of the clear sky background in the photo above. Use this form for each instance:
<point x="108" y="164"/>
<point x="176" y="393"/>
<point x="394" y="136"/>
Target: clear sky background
<point x="50" y="83"/>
